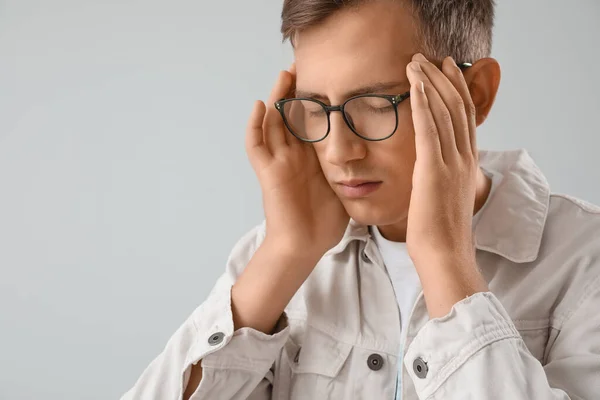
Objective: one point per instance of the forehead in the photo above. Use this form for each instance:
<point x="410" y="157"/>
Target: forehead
<point x="356" y="47"/>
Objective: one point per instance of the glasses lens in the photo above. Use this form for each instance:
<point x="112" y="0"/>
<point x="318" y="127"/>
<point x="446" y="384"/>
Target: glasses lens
<point x="306" y="119"/>
<point x="371" y="117"/>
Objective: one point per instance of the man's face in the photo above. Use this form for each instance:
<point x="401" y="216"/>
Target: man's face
<point x="349" y="51"/>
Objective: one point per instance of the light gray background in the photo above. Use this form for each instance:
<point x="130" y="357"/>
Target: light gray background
<point x="123" y="177"/>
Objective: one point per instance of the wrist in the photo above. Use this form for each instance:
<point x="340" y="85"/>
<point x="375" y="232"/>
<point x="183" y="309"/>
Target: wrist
<point x="447" y="280"/>
<point x="267" y="284"/>
<point x="292" y="252"/>
<point x="461" y="257"/>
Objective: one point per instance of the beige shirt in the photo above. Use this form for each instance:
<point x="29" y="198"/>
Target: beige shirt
<point x="535" y="335"/>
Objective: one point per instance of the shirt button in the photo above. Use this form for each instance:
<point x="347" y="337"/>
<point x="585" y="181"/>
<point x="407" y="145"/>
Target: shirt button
<point x="375" y="362"/>
<point x="216" y="338"/>
<point x="365" y="257"/>
<point x="420" y="368"/>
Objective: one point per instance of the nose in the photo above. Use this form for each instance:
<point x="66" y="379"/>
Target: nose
<point x="342" y="145"/>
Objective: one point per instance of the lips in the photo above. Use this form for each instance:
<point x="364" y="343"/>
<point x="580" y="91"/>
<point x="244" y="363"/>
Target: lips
<point x="357" y="188"/>
<point x="355" y="182"/>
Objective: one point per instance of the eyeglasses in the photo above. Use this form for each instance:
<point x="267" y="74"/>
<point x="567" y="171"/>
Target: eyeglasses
<point x="373" y="117"/>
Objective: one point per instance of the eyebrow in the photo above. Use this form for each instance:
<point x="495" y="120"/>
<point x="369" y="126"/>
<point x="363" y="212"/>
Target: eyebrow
<point x="369" y="89"/>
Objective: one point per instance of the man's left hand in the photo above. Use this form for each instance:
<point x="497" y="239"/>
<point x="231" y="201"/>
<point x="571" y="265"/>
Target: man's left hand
<point x="439" y="232"/>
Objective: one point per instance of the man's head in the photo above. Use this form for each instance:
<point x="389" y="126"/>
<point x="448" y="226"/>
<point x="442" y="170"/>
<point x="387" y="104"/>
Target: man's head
<point x="343" y="46"/>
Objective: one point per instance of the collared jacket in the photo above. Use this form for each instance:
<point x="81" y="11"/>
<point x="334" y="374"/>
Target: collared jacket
<point x="535" y="334"/>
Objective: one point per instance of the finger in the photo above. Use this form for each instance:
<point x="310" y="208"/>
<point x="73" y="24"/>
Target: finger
<point x="257" y="151"/>
<point x="467" y="141"/>
<point x="273" y="129"/>
<point x="452" y="113"/>
<point x="448" y="81"/>
<point x="292" y="71"/>
<point x="291" y="139"/>
<point x="440" y="112"/>
<point x="427" y="142"/>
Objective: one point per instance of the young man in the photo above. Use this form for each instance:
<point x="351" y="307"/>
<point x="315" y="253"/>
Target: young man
<point x="396" y="260"/>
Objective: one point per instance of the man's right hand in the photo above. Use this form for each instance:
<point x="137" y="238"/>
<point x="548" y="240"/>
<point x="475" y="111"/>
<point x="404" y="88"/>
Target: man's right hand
<point x="304" y="217"/>
<point x="303" y="213"/>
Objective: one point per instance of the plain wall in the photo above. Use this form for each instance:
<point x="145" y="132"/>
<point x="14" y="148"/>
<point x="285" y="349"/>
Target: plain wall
<point x="123" y="177"/>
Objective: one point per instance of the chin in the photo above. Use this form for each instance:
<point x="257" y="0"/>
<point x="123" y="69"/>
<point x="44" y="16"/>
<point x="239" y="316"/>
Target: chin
<point x="367" y="212"/>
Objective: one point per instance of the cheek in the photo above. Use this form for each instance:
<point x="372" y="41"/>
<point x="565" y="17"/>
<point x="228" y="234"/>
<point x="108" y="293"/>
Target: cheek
<point x="399" y="171"/>
<point x="395" y="158"/>
<point x="405" y="121"/>
<point x="398" y="158"/>
<point x="401" y="146"/>
<point x="319" y="148"/>
<point x="320" y="152"/>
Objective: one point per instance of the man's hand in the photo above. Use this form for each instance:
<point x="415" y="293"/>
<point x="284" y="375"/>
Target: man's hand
<point x="302" y="212"/>
<point x="439" y="232"/>
<point x="304" y="216"/>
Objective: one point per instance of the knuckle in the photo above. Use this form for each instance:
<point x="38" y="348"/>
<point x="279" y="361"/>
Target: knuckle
<point x="470" y="109"/>
<point x="431" y="130"/>
<point x="468" y="163"/>
<point x="458" y="100"/>
<point x="445" y="116"/>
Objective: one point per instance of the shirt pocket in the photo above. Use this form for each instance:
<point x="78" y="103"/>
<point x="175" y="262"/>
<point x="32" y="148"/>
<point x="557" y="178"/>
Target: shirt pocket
<point x="313" y="369"/>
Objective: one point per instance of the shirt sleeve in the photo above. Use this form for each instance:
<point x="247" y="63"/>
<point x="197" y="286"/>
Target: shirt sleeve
<point x="476" y="352"/>
<point x="235" y="364"/>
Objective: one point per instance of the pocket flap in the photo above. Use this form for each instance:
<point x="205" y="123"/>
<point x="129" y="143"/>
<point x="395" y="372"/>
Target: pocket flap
<point x="320" y="354"/>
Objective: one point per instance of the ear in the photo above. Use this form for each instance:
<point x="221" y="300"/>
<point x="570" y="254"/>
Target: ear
<point x="483" y="79"/>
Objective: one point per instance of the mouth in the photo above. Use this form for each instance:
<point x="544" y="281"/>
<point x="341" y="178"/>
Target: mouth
<point x="357" y="188"/>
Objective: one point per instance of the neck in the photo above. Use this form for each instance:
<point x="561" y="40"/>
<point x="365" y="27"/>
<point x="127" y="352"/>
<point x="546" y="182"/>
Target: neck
<point x="397" y="232"/>
<point x="484" y="186"/>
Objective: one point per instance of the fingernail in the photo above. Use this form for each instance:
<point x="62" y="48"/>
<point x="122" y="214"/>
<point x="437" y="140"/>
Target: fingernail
<point x="422" y="87"/>
<point x="419" y="57"/>
<point x="453" y="62"/>
<point x="416" y="66"/>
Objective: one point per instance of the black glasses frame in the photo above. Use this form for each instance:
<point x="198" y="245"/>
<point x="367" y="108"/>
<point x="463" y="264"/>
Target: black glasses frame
<point x="395" y="100"/>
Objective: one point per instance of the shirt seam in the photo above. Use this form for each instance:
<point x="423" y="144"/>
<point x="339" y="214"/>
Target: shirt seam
<point x="326" y="330"/>
<point x="592" y="288"/>
<point x="581" y="204"/>
<point x="237" y="366"/>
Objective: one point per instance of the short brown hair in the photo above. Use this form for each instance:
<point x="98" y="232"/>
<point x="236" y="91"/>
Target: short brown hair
<point x="461" y="29"/>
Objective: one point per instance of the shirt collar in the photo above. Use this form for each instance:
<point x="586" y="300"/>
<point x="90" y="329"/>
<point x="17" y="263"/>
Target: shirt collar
<point x="512" y="222"/>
